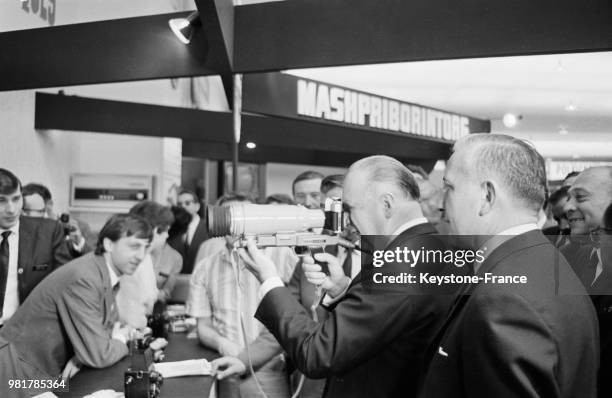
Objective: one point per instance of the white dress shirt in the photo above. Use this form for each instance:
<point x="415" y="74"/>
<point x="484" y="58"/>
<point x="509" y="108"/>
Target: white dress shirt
<point x="11" y="295"/>
<point x="193" y="225"/>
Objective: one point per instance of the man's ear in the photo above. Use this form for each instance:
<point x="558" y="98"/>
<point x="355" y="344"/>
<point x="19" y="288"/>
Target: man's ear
<point x="488" y="197"/>
<point x="108" y="245"/>
<point x="388" y="202"/>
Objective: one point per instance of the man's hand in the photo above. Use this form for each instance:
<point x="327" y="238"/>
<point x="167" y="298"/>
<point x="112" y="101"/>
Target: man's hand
<point x="227" y="366"/>
<point x="72" y="368"/>
<point x="121" y="333"/>
<point x="258" y="263"/>
<point x="76" y="236"/>
<point x="227" y="347"/>
<point x="334" y="284"/>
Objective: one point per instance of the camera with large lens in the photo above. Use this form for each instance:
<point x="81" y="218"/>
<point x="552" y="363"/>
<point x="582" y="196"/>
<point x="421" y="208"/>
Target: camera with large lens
<point x="140" y="380"/>
<point x="64" y="219"/>
<point x="279" y="225"/>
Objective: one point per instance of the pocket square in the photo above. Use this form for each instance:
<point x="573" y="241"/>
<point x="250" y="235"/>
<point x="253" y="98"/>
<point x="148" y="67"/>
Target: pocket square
<point x="442" y="352"/>
<point x="41" y="267"/>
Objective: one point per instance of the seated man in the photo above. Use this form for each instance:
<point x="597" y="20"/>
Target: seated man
<point x="223" y="298"/>
<point x="138" y="292"/>
<point x="71" y="314"/>
<point x="170" y="261"/>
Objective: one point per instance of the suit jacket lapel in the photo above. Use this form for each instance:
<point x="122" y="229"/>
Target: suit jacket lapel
<point x="109" y="300"/>
<point x="26" y="244"/>
<point x="25" y="255"/>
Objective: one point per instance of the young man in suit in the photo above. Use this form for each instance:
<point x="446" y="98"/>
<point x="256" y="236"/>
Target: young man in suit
<point x="197" y="232"/>
<point x="70" y="318"/>
<point x="30" y="248"/>
<point x="533" y="339"/>
<point x="373" y="341"/>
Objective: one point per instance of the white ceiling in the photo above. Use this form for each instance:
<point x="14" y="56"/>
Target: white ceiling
<point x="539" y="88"/>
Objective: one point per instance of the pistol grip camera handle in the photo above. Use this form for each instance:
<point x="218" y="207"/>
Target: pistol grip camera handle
<point x="303" y="251"/>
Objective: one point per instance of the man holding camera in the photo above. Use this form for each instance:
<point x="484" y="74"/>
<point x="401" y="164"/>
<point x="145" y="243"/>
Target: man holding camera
<point x="372" y="343"/>
<point x="37" y="202"/>
<point x="30" y="248"/>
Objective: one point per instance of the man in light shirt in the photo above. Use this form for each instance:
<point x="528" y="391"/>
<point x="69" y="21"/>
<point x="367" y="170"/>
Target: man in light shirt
<point x="532" y="339"/>
<point x="223" y="298"/>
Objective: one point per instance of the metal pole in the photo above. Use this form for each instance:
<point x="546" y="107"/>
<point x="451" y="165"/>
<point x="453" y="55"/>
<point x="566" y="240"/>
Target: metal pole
<point x="237" y="113"/>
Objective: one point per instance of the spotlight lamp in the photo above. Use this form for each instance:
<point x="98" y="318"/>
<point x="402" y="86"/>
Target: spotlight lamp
<point x="183" y="28"/>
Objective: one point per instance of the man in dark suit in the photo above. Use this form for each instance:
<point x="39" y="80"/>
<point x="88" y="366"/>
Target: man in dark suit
<point x="533" y="339"/>
<point x="70" y="318"/>
<point x="30" y="248"/>
<point x="197" y="232"/>
<point x="373" y="341"/>
<point x="591" y="195"/>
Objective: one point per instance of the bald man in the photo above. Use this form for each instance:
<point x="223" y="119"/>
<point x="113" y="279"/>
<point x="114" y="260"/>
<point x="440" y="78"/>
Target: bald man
<point x="373" y="341"/>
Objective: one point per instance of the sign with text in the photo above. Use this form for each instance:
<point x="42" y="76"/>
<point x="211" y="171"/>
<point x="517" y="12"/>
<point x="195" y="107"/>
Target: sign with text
<point x="295" y="97"/>
<point x="45" y="9"/>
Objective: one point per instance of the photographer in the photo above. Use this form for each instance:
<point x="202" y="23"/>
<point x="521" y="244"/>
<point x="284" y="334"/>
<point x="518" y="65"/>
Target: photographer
<point x="372" y="344"/>
<point x="37" y="202"/>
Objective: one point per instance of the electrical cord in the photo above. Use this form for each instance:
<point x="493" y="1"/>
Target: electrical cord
<point x="242" y="324"/>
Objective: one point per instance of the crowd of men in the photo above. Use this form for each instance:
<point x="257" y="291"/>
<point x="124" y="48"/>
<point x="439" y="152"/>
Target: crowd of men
<point x="315" y="323"/>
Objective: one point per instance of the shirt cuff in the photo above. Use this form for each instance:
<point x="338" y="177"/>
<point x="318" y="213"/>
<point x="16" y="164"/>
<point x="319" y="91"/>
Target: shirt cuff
<point x="268" y="285"/>
<point x="80" y="246"/>
<point x="329" y="300"/>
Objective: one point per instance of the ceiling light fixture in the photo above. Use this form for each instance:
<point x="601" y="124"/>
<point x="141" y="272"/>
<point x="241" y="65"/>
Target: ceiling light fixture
<point x="510" y="120"/>
<point x="251" y="145"/>
<point x="570" y="107"/>
<point x="183" y="28"/>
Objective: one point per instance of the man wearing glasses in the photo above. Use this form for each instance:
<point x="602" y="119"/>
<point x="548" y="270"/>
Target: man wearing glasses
<point x="30" y="248"/>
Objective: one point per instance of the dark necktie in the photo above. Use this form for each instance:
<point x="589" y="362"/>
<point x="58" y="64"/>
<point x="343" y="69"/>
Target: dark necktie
<point x="4" y="266"/>
<point x="347" y="265"/>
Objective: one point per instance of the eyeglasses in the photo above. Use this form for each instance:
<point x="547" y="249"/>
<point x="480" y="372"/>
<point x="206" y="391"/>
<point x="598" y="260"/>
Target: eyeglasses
<point x="34" y="212"/>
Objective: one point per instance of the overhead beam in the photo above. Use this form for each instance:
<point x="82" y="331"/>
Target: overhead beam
<point x="266" y="154"/>
<point x="217" y="17"/>
<point x="118" y="50"/>
<point x="314" y="33"/>
<point x="74" y="113"/>
<point x="282" y="35"/>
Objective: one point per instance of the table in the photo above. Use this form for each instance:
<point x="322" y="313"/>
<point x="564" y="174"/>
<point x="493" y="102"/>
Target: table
<point x="179" y="348"/>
